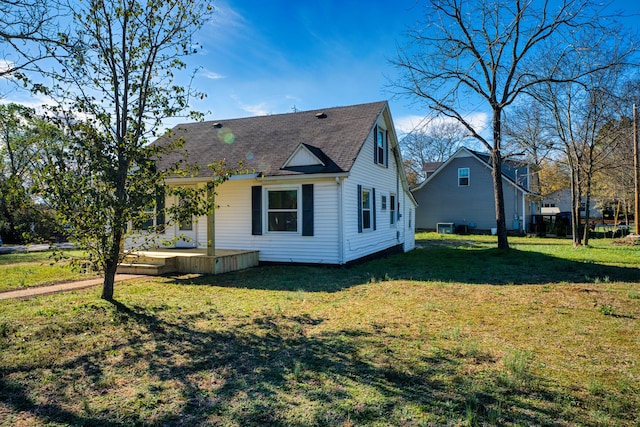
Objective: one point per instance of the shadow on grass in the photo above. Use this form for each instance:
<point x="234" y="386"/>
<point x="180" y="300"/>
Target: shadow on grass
<point x="437" y="263"/>
<point x="267" y="370"/>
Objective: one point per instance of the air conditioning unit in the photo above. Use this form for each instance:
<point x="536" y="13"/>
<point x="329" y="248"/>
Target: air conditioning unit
<point x="445" y="227"/>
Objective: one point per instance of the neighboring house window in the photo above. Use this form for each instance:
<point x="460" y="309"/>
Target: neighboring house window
<point x="463" y="177"/>
<point x="282" y="210"/>
<point x="381" y="149"/>
<point x="392" y="209"/>
<point x="384" y="203"/>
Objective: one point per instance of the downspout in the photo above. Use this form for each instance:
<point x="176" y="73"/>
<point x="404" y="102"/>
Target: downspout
<point x="340" y="194"/>
<point x="516" y="217"/>
<point x="524" y="213"/>
<point x="398" y="195"/>
<point x="211" y="223"/>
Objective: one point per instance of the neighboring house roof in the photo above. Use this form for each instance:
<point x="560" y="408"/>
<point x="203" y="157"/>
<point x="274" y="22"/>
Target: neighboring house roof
<point x="508" y="168"/>
<point x="431" y="166"/>
<point x="318" y="141"/>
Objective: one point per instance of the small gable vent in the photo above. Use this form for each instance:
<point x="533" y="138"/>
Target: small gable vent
<point x="321" y="115"/>
<point x="302" y="156"/>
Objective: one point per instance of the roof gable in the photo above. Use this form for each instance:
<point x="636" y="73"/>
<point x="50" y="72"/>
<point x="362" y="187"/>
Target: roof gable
<point x="510" y="168"/>
<point x="317" y="141"/>
<point x="485" y="160"/>
<point x="302" y="156"/>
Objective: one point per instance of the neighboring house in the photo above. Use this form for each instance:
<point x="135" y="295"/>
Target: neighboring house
<point x="429" y="168"/>
<point x="560" y="201"/>
<point x="325" y="186"/>
<point x="460" y="192"/>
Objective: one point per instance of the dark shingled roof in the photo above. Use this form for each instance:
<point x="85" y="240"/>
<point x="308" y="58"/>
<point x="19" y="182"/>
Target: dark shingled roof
<point x="431" y="166"/>
<point x="264" y="143"/>
<point x="509" y="168"/>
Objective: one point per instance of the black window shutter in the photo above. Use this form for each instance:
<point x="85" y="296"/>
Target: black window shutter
<point x="256" y="210"/>
<point x="160" y="209"/>
<point x="359" y="208"/>
<point x="373" y="207"/>
<point x="375" y="144"/>
<point x="307" y="210"/>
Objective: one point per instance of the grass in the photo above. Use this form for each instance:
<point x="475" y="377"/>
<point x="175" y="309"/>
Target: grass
<point x="444" y="335"/>
<point x="20" y="270"/>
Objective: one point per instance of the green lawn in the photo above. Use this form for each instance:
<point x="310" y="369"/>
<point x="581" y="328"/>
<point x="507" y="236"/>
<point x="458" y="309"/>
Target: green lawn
<point x="453" y="333"/>
<point x="20" y="270"/>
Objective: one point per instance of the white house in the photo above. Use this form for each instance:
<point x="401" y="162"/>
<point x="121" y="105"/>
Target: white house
<point x="560" y="201"/>
<point x="324" y="186"/>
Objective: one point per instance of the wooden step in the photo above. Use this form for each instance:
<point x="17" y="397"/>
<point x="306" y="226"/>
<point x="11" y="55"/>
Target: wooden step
<point x="147" y="265"/>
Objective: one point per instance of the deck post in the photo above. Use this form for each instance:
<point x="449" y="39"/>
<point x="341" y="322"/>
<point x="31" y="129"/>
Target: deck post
<point x="211" y="223"/>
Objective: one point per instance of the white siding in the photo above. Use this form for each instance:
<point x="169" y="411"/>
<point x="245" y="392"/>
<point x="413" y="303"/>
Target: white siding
<point x="410" y="215"/>
<point x="195" y="238"/>
<point x="233" y="224"/>
<point x="303" y="157"/>
<point x="386" y="181"/>
<point x="336" y="239"/>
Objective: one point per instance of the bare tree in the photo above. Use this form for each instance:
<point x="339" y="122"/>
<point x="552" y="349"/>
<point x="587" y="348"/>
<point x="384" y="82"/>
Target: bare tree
<point x="486" y="54"/>
<point x="434" y="142"/>
<point x="581" y="108"/>
<point x="614" y="181"/>
<point x="527" y="131"/>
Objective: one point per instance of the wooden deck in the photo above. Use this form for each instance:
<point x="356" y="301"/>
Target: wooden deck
<point x="164" y="261"/>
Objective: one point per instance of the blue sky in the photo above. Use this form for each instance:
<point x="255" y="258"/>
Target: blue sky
<point x="269" y="57"/>
<point x="273" y="56"/>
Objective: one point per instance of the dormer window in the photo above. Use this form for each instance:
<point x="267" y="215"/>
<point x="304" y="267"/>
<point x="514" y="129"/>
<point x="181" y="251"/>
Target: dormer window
<point x="381" y="148"/>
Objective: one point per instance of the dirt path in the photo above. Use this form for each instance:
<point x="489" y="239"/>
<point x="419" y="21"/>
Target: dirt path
<point x="62" y="287"/>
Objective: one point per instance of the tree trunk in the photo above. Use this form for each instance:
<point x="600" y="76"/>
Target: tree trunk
<point x="111" y="266"/>
<point x="501" y="222"/>
<point x="575" y="208"/>
<point x="587" y="211"/>
<point x="587" y="217"/>
<point x="109" y="280"/>
<point x="496" y="159"/>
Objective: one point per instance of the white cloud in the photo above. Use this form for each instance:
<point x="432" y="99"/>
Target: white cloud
<point x="6" y="66"/>
<point x="36" y="102"/>
<point x="256" y="108"/>
<point x="225" y="18"/>
<point x="407" y="124"/>
<point x="259" y="109"/>
<point x="479" y="121"/>
<point x="212" y="75"/>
